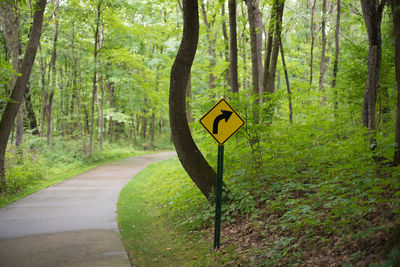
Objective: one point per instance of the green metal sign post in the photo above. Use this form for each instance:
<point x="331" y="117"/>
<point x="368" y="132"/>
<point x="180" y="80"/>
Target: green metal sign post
<point x="218" y="202"/>
<point x="222" y="122"/>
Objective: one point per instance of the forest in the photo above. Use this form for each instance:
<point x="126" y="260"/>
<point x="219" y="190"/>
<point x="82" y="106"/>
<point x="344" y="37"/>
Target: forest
<point x="312" y="178"/>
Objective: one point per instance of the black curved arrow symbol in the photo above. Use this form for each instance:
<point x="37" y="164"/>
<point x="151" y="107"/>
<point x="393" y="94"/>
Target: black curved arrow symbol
<point x="226" y="114"/>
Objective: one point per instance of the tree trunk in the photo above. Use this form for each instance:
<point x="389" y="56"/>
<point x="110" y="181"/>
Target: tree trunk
<point x="11" y="110"/>
<point x="54" y="80"/>
<point x="188" y="153"/>
<point x="144" y="125"/>
<point x="211" y="47"/>
<point x="233" y="57"/>
<point x="268" y="49"/>
<point x="312" y="28"/>
<point x="111" y="121"/>
<point x="287" y="83"/>
<point x="10" y="21"/>
<point x="94" y="89"/>
<point x="20" y="129"/>
<point x="254" y="16"/>
<point x="226" y="46"/>
<point x="77" y="91"/>
<point x="30" y="112"/>
<point x="396" y="26"/>
<point x="101" y="113"/>
<point x="44" y="93"/>
<point x="189" y="96"/>
<point x="275" y="47"/>
<point x="323" y="51"/>
<point x="336" y="62"/>
<point x="152" y="129"/>
<point x="372" y="12"/>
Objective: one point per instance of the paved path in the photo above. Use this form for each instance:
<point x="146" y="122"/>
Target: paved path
<point x="72" y="223"/>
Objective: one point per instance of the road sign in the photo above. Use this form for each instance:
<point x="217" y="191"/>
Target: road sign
<point x="222" y="121"/>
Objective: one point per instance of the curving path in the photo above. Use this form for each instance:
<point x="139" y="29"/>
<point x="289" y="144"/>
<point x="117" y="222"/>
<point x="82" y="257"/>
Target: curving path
<point x="72" y="223"/>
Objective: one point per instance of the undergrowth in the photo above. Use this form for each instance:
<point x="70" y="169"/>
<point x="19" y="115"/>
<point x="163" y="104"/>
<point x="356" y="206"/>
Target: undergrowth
<point x="37" y="165"/>
<point x="305" y="194"/>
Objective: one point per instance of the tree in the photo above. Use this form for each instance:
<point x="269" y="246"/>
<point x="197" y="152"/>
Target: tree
<point x="396" y="26"/>
<point x="279" y="5"/>
<point x="372" y="13"/>
<point x="53" y="64"/>
<point x="312" y="30"/>
<point x="94" y="88"/>
<point x="188" y="153"/>
<point x="336" y="61"/>
<point x="9" y="17"/>
<point x="268" y="49"/>
<point x="211" y="44"/>
<point x="233" y="47"/>
<point x="323" y="50"/>
<point x="255" y="23"/>
<point x="11" y="110"/>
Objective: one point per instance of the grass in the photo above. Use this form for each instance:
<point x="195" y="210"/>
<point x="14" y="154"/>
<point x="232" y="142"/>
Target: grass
<point x="149" y="234"/>
<point x="55" y="172"/>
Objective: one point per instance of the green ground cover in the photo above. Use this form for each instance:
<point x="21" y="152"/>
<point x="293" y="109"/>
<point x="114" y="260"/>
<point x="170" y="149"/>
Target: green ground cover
<point x="319" y="199"/>
<point x="42" y="166"/>
<point x="150" y="236"/>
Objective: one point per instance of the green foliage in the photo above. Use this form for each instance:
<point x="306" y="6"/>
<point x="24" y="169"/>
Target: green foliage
<point x="6" y="73"/>
<point x="20" y="175"/>
<point x="36" y="165"/>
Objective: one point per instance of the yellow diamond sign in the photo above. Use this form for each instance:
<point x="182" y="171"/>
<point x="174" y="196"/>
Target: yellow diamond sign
<point x="222" y="121"/>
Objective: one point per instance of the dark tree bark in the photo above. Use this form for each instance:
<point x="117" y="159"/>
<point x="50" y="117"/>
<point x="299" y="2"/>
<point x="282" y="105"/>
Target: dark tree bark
<point x="396" y="24"/>
<point x="189" y="108"/>
<point x="152" y="130"/>
<point x="372" y="13"/>
<point x="30" y="112"/>
<point x="287" y="83"/>
<point x="188" y="153"/>
<point x="144" y="122"/>
<point x="275" y="46"/>
<point x="336" y="62"/>
<point x="11" y="110"/>
<point x="111" y="122"/>
<point x="233" y="57"/>
<point x="43" y="110"/>
<point x="268" y="49"/>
